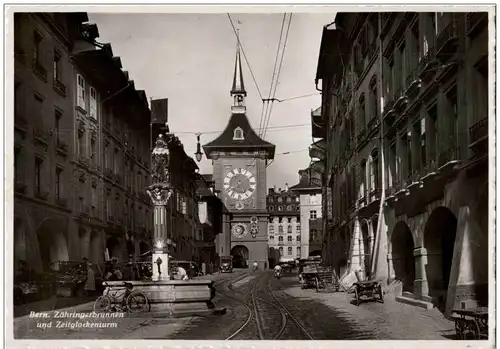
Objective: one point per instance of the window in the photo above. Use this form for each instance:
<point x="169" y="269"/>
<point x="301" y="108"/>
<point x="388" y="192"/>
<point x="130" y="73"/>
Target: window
<point x="81" y="142"/>
<point x="271" y="228"/>
<point x="297" y="199"/>
<point x="374" y="171"/>
<point x="362" y="113"/>
<point x="281" y="251"/>
<point x="298" y="251"/>
<point x="280" y="199"/>
<point x="57" y="127"/>
<point x="280" y="219"/>
<point x="393" y="164"/>
<point x="37" y="43"/>
<point x="280" y="229"/>
<point x="38" y="174"/>
<point x="289" y="208"/>
<point x="289" y="251"/>
<point x="289" y="238"/>
<point x="297" y="228"/>
<point x="93" y="103"/>
<point x="432" y="118"/>
<point x="362" y="185"/>
<point x="80" y="90"/>
<point x="280" y="238"/>
<point x="238" y="134"/>
<point x="106" y="155"/>
<point x="17" y="158"/>
<point x="289" y="220"/>
<point x="58" y="182"/>
<point x="313" y="234"/>
<point x="38" y="109"/>
<point x="57" y="65"/>
<point x="115" y="162"/>
<point x="280" y="208"/>
<point x="288" y="199"/>
<point x="289" y="229"/>
<point x="271" y="208"/>
<point x="313" y="214"/>
<point x="298" y="238"/>
<point x="271" y="238"/>
<point x="373" y="98"/>
<point x="452" y="115"/>
<point x="93" y="152"/>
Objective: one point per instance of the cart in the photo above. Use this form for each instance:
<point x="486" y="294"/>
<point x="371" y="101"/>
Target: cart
<point x="326" y="279"/>
<point x="472" y="322"/>
<point x="308" y="275"/>
<point x="370" y="289"/>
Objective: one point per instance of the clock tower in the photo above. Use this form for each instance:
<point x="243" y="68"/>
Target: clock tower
<point x="240" y="157"/>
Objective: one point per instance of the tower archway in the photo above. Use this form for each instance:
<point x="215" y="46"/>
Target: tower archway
<point x="240" y="256"/>
<point x="439" y="241"/>
<point x="403" y="261"/>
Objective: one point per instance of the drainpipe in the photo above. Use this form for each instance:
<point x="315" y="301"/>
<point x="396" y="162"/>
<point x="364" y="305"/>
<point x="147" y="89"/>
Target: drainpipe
<point x="376" y="247"/>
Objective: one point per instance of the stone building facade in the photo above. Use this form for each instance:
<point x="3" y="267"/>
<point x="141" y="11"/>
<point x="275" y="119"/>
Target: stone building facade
<point x="74" y="109"/>
<point x="309" y="191"/>
<point x="284" y="227"/>
<point x="414" y="85"/>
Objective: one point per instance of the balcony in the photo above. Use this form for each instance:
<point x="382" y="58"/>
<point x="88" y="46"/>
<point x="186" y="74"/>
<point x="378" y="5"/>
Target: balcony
<point x="59" y="87"/>
<point x="39" y="70"/>
<point x="401" y="99"/>
<point x="20" y="187"/>
<point x="413" y="83"/>
<point x="372" y="125"/>
<point x="478" y="136"/>
<point x="414" y="180"/>
<point x="447" y="41"/>
<point x="427" y="66"/>
<point x="389" y="111"/>
<point x="476" y="21"/>
<point x="361" y="135"/>
<point x="449" y="157"/>
<point x="429" y="171"/>
<point x="42" y="195"/>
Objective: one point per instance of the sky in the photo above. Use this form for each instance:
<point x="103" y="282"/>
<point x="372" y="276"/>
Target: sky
<point x="189" y="59"/>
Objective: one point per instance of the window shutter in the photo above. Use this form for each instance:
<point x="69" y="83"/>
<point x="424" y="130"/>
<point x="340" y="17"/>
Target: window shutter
<point x="80" y="91"/>
<point x="93" y="103"/>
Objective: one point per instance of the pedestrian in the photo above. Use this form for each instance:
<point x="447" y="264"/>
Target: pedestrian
<point x="181" y="273"/>
<point x="90" y="281"/>
<point x="191" y="272"/>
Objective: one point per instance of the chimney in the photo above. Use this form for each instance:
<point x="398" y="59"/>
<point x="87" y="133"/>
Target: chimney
<point x="286" y="186"/>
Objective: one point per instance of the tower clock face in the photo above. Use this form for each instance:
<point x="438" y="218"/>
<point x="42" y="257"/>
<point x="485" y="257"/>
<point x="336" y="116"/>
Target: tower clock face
<point x="240" y="184"/>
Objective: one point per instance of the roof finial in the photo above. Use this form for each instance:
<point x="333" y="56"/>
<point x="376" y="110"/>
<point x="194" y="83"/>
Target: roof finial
<point x="238" y="85"/>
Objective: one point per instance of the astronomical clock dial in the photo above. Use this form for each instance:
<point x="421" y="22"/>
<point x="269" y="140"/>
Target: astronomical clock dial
<point x="240" y="184"/>
<point x="240" y="230"/>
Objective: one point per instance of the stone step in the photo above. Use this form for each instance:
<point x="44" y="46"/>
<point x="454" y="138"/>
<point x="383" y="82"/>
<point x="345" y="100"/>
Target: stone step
<point x="415" y="302"/>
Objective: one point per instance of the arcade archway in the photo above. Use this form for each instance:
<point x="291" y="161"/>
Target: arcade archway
<point x="240" y="256"/>
<point x="439" y="241"/>
<point x="113" y="246"/>
<point x="19" y="242"/>
<point x="403" y="261"/>
<point x="95" y="247"/>
<point x="52" y="245"/>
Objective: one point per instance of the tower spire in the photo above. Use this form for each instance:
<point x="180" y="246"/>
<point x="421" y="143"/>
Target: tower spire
<point x="238" y="88"/>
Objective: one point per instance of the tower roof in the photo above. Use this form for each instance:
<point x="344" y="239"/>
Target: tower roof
<point x="249" y="139"/>
<point x="238" y="85"/>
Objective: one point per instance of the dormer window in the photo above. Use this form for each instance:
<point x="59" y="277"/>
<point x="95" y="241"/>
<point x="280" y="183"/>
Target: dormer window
<point x="238" y="134"/>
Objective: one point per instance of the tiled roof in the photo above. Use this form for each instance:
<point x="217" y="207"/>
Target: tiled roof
<point x="251" y="139"/>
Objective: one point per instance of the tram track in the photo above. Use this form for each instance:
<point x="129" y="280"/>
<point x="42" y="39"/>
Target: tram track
<point x="260" y="309"/>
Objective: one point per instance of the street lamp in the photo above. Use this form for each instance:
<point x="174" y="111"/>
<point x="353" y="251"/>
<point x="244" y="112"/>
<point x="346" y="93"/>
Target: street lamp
<point x="198" y="153"/>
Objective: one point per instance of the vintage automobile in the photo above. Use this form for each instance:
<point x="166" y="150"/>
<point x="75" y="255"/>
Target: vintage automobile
<point x="226" y="264"/>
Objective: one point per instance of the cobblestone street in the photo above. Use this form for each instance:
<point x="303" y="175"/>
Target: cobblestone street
<point x="300" y="314"/>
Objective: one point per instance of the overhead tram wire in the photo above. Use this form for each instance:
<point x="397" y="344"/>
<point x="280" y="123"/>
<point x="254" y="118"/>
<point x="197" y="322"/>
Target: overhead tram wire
<point x="244" y="55"/>
<point x="277" y="77"/>
<point x="269" y="128"/>
<point x="266" y="103"/>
